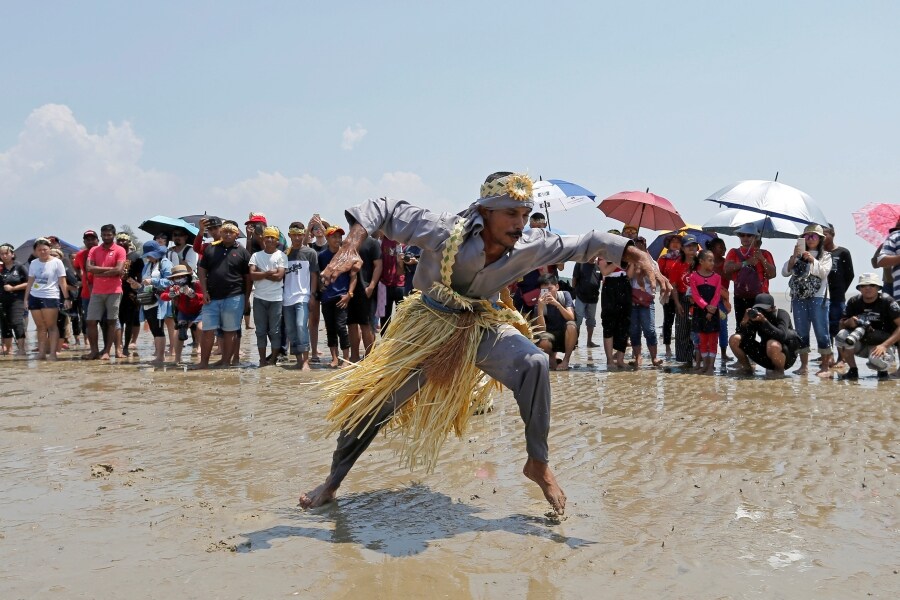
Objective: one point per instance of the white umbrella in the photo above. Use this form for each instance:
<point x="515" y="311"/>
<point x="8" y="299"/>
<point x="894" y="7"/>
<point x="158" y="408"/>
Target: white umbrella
<point x="771" y="198"/>
<point x="729" y="220"/>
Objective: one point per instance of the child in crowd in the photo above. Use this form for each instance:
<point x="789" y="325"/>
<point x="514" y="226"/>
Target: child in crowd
<point x="706" y="291"/>
<point x="187" y="301"/>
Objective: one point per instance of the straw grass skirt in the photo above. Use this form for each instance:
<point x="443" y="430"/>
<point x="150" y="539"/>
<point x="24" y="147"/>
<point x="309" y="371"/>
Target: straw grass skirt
<point x="441" y="344"/>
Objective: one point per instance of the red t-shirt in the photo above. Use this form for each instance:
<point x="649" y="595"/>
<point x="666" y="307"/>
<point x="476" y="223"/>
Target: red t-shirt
<point x="738" y="255"/>
<point x="87" y="279"/>
<point x="392" y="273"/>
<point x="676" y="272"/>
<point x="107" y="257"/>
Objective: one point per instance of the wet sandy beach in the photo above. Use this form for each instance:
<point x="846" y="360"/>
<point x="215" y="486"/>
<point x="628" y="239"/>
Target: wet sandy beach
<point x="679" y="486"/>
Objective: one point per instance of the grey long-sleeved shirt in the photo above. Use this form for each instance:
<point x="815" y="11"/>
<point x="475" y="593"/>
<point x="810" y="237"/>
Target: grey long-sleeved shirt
<point x="409" y="224"/>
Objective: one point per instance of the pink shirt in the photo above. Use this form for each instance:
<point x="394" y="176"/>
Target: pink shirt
<point x="107" y="257"/>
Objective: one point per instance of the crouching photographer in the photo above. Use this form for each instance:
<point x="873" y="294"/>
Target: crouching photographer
<point x="870" y="327"/>
<point x="188" y="302"/>
<point x="777" y="344"/>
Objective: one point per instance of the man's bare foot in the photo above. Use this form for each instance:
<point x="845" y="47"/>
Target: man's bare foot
<point x="801" y="371"/>
<point x="541" y="474"/>
<point x="91" y="356"/>
<point x="317" y="497"/>
<point x="104" y="356"/>
<point x="334" y="363"/>
<point x="563" y="366"/>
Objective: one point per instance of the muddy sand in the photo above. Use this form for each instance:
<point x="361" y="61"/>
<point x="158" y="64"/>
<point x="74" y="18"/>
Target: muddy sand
<point x="124" y="481"/>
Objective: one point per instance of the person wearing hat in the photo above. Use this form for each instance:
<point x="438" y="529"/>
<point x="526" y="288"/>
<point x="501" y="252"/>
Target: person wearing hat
<point x="889" y="259"/>
<point x="224" y="275"/>
<point x="106" y="262"/>
<point x="267" y="274"/>
<point x="208" y="225"/>
<point x="808" y="269"/>
<point x="681" y="272"/>
<point x="765" y="336"/>
<point x="301" y="279"/>
<point x="187" y="302"/>
<point x="671" y="265"/>
<point x="749" y="267"/>
<point x="335" y="299"/>
<point x="451" y="340"/>
<point x="630" y="231"/>
<point x="870" y="327"/>
<point x="155" y="277"/>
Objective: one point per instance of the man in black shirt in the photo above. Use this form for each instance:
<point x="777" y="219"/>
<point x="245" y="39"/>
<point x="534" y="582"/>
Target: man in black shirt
<point x="776" y="349"/>
<point x="224" y="275"/>
<point x="870" y="327"/>
<point x="586" y="280"/>
<point x="839" y="280"/>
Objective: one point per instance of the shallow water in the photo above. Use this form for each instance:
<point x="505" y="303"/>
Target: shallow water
<point x="679" y="486"/>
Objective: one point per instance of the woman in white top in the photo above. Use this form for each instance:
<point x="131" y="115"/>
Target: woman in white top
<point x="46" y="284"/>
<point x="808" y="269"/>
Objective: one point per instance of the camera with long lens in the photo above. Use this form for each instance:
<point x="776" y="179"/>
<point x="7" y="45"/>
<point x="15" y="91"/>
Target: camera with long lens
<point x="852" y="338"/>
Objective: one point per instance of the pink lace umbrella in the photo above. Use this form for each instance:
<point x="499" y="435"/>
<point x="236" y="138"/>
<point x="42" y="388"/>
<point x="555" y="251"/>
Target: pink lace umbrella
<point x="642" y="209"/>
<point x="875" y="220"/>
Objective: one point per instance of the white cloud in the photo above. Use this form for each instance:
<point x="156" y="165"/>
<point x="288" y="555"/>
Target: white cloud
<point x="284" y="199"/>
<point x="67" y="177"/>
<point x="352" y="136"/>
<point x="62" y="179"/>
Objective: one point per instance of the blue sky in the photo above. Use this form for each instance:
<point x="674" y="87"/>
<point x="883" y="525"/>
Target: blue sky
<point x="114" y="112"/>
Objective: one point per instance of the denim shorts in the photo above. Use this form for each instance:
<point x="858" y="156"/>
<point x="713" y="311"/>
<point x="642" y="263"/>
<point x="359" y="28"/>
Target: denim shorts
<point x="225" y="314"/>
<point x="36" y="303"/>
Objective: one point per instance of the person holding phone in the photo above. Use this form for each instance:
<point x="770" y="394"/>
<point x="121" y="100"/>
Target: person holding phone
<point x="555" y="322"/>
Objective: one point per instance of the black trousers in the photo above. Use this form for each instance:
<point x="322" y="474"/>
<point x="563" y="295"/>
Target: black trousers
<point x="615" y="311"/>
<point x="336" y="324"/>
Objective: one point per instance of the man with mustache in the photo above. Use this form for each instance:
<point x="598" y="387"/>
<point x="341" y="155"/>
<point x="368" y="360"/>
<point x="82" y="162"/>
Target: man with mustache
<point x="446" y="345"/>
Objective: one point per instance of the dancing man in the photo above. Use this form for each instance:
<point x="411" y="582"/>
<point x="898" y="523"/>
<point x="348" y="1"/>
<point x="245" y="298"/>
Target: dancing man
<point x="451" y="342"/>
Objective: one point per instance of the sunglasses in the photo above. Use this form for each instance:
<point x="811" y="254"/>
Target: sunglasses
<point x="810" y="236"/>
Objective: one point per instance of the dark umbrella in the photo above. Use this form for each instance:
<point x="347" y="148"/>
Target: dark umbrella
<point x="163" y="224"/>
<point x="195" y="220"/>
<point x="27" y="248"/>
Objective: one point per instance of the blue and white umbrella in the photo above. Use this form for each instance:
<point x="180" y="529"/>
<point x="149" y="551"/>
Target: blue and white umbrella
<point x="556" y="194"/>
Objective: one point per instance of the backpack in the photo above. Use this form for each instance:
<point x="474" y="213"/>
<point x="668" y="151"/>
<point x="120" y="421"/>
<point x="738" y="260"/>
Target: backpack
<point x="802" y="284"/>
<point x="747" y="284"/>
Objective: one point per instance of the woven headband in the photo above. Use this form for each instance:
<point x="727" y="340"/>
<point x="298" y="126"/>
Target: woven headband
<point x="509" y="191"/>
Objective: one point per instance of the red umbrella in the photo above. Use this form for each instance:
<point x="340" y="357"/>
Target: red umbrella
<point x="642" y="209"/>
<point x="875" y="220"/>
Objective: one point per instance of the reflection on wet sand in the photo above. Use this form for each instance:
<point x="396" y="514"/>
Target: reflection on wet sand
<point x="679" y="485"/>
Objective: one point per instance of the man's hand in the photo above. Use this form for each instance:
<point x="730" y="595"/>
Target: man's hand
<point x="879" y="350"/>
<point x="650" y="269"/>
<point x="206" y="298"/>
<point x="347" y="257"/>
<point x="344" y="301"/>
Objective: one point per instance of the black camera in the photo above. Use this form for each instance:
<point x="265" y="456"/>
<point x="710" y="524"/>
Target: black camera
<point x="752" y="313"/>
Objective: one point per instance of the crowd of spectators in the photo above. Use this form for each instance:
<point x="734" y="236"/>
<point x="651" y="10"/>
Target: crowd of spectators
<point x="211" y="288"/>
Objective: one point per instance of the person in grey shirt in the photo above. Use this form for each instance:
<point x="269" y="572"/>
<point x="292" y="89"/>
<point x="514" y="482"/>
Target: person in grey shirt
<point x="467" y="259"/>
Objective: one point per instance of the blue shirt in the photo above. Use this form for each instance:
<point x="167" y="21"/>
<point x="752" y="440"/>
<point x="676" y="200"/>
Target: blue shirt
<point x="339" y="286"/>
